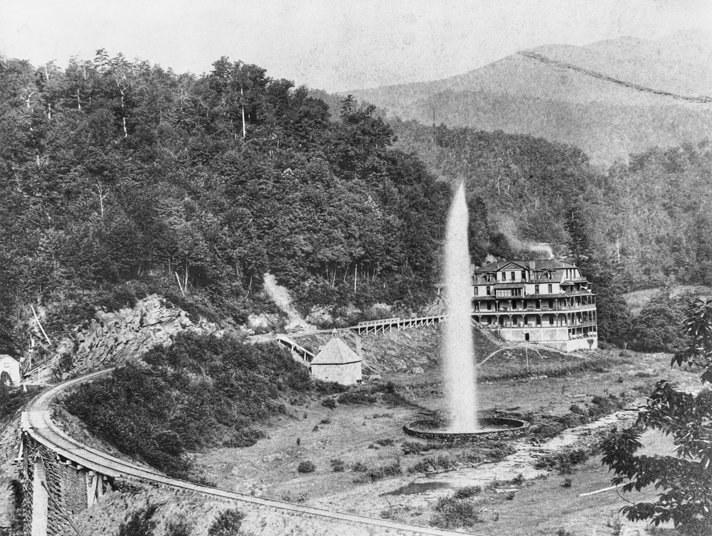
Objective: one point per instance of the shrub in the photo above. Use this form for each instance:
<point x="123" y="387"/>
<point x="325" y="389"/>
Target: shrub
<point x="306" y="467"/>
<point x="455" y="513"/>
<point x="413" y="447"/>
<point x="325" y="421"/>
<point x="442" y="462"/>
<point x="549" y="429"/>
<point x="178" y="528"/>
<point x="359" y="467"/>
<point x="329" y="403"/>
<point x="141" y="523"/>
<point x="563" y="460"/>
<point x="299" y="499"/>
<point x="379" y="473"/>
<point x="575" y="408"/>
<point x="571" y="420"/>
<point x="517" y="480"/>
<point x="500" y="451"/>
<point x="467" y="492"/>
<point x="423" y="466"/>
<point x="471" y="456"/>
<point x="203" y="481"/>
<point x="384" y="442"/>
<point x="338" y="465"/>
<point x="227" y="523"/>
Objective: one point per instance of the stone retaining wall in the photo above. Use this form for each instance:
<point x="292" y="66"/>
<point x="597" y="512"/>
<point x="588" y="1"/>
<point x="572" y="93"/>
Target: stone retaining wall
<point x="511" y="428"/>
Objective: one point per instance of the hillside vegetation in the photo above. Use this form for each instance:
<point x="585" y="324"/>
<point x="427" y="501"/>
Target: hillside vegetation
<point x="647" y="219"/>
<point x="202" y="391"/>
<point x="119" y="178"/>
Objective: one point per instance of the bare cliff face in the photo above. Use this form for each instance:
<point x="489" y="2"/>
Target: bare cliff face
<point x="118" y="337"/>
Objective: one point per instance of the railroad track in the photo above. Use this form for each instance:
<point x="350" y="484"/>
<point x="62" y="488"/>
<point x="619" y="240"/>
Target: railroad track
<point x="37" y="422"/>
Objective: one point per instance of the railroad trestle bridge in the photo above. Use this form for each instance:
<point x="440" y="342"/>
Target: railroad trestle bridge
<point x="62" y="477"/>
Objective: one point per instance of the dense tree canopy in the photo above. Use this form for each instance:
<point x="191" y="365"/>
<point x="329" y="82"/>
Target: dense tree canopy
<point x="647" y="219"/>
<point x="115" y="171"/>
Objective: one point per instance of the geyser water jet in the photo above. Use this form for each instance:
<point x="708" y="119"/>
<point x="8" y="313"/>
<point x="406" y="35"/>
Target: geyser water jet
<point x="458" y="353"/>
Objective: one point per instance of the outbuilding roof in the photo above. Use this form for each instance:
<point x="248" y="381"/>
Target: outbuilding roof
<point x="336" y="352"/>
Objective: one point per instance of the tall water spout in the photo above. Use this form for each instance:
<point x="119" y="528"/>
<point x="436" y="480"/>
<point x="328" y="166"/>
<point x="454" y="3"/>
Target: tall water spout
<point x="458" y="354"/>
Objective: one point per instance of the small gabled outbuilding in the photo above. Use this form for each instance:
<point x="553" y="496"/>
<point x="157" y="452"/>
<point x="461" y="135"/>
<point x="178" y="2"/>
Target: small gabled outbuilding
<point x="9" y="370"/>
<point x="336" y="362"/>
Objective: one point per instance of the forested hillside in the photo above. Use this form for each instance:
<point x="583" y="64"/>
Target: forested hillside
<point x="648" y="220"/>
<point x="119" y="178"/>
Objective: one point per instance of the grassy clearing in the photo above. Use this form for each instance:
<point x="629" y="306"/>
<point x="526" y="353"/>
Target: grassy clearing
<point x="369" y="436"/>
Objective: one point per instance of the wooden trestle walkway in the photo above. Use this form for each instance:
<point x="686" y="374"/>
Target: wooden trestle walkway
<point x="383" y="325"/>
<point x="387" y="324"/>
<point x="300" y="353"/>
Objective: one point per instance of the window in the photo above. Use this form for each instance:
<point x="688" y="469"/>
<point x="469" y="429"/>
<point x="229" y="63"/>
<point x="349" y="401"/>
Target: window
<point x="511" y="276"/>
<point x="488" y="291"/>
<point x="551" y="288"/>
<point x="477" y="291"/>
<point x="536" y="289"/>
<point x="524" y="275"/>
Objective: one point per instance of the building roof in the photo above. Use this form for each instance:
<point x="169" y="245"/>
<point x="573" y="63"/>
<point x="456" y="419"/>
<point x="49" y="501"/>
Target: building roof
<point x="336" y="352"/>
<point x="541" y="264"/>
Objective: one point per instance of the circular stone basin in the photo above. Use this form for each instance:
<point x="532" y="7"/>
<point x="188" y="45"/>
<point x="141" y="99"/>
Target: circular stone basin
<point x="490" y="428"/>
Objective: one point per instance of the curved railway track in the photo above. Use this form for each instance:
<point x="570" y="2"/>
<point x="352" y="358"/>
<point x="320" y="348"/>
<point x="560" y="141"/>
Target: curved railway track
<point x="37" y="422"/>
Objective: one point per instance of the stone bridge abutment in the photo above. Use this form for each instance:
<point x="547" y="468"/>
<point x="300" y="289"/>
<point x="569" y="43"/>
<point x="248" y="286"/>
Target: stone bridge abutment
<point x="55" y="488"/>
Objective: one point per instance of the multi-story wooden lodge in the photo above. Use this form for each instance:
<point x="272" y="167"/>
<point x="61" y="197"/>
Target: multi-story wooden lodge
<point x="543" y="301"/>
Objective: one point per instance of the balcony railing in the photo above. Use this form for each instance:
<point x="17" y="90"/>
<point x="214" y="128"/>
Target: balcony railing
<point x="541" y="310"/>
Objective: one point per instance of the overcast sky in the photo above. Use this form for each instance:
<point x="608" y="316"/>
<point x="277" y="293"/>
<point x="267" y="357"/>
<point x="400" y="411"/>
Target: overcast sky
<point x="330" y="44"/>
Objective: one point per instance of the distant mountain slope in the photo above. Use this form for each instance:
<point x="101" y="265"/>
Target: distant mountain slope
<point x="519" y="94"/>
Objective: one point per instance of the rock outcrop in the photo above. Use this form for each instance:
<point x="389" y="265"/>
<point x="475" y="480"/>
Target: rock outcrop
<point x="118" y="337"/>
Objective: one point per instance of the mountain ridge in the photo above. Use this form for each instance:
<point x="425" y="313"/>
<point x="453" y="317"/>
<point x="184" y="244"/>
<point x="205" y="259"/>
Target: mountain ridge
<point x="674" y="64"/>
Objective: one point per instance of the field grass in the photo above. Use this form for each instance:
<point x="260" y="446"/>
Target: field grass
<point x="370" y="437"/>
<point x="347" y="451"/>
